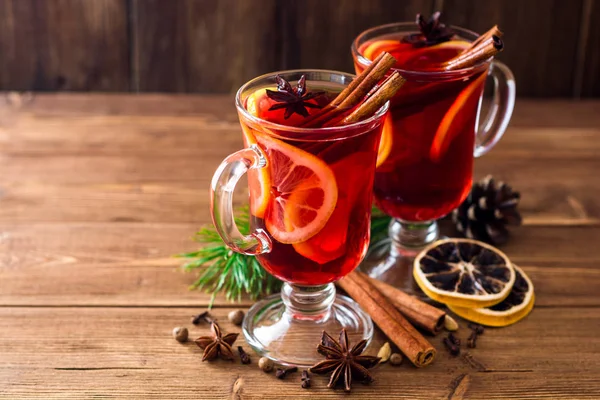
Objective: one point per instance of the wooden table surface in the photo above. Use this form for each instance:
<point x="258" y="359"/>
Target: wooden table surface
<point x="97" y="192"/>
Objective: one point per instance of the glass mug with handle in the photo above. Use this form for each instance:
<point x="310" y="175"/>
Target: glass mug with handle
<point x="310" y="205"/>
<point x="431" y="136"/>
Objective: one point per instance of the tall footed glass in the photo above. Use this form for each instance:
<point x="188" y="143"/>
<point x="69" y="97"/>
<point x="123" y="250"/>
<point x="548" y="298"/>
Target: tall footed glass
<point x="431" y="136"/>
<point x="310" y="204"/>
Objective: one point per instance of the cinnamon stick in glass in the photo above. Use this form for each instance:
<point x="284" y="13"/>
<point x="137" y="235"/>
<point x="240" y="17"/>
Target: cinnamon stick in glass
<point x="355" y="92"/>
<point x="385" y="92"/>
<point x="475" y="55"/>
<point x="414" y="346"/>
<point x="419" y="313"/>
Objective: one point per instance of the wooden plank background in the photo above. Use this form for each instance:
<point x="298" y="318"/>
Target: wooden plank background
<point x="213" y="46"/>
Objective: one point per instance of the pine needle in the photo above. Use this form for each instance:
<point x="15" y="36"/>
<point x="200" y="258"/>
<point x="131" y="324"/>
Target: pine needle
<point x="223" y="270"/>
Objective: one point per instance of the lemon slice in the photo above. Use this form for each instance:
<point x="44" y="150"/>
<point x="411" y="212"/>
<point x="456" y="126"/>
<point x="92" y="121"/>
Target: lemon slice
<point x="464" y="273"/>
<point x="514" y="308"/>
<point x="387" y="139"/>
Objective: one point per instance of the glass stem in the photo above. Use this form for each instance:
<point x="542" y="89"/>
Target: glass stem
<point x="311" y="303"/>
<point x="408" y="238"/>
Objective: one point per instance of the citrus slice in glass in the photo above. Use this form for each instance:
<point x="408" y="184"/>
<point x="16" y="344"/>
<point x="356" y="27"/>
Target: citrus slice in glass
<point x="303" y="192"/>
<point x="332" y="241"/>
<point x="464" y="273"/>
<point x="372" y="50"/>
<point x="446" y="130"/>
<point x="259" y="180"/>
<point x="512" y="309"/>
<point x="385" y="144"/>
<point x="258" y="102"/>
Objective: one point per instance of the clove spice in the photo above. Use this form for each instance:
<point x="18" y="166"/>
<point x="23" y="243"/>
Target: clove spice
<point x="244" y="357"/>
<point x="477" y="328"/>
<point x="453" y="339"/>
<point x="305" y="379"/>
<point x="203" y="317"/>
<point x="281" y="373"/>
<point x="472" y="340"/>
<point x="452" y="348"/>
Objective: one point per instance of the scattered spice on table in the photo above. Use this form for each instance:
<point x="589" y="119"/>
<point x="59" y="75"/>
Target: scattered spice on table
<point x="217" y="345"/>
<point x="343" y="362"/>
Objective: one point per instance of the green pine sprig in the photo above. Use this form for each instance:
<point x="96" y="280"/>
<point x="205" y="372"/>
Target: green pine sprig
<point x="225" y="271"/>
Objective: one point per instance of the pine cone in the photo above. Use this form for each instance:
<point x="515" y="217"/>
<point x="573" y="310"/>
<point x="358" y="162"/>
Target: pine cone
<point x="486" y="212"/>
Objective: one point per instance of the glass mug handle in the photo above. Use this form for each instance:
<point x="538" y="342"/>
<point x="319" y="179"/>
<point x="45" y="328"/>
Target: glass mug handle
<point x="493" y="126"/>
<point x="222" y="187"/>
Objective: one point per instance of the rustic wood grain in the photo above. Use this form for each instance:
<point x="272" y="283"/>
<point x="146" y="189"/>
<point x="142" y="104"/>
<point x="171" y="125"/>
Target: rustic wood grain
<point x="318" y="34"/>
<point x="64" y="45"/>
<point x="591" y="73"/>
<point x="539" y="36"/>
<point x="76" y="264"/>
<point x="98" y="192"/>
<point x="89" y="353"/>
<point x="203" y="45"/>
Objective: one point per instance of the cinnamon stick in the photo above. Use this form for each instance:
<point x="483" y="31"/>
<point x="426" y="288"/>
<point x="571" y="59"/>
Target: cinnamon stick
<point x="416" y="348"/>
<point x="385" y="92"/>
<point x="419" y="313"/>
<point x="475" y="55"/>
<point x="494" y="31"/>
<point x="354" y="93"/>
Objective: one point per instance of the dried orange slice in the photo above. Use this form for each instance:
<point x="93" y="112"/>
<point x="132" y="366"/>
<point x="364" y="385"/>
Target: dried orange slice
<point x="464" y="273"/>
<point x="303" y="192"/>
<point x="443" y="138"/>
<point x="387" y="139"/>
<point x="514" y="308"/>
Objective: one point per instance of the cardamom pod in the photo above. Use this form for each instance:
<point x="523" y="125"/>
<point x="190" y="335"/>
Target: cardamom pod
<point x="384" y="352"/>
<point x="450" y="324"/>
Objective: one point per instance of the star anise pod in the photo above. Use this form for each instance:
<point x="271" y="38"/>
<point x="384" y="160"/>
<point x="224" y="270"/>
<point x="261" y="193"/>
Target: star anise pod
<point x="345" y="364"/>
<point x="294" y="100"/>
<point x="217" y="345"/>
<point x="432" y="32"/>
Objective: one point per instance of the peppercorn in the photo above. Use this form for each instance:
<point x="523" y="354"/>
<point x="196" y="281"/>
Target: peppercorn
<point x="266" y="364"/>
<point x="396" y="359"/>
<point x="236" y="317"/>
<point x="180" y="334"/>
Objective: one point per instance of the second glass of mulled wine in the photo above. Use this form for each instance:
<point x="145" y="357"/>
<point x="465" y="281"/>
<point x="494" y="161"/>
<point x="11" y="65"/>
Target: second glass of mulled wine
<point x="430" y="138"/>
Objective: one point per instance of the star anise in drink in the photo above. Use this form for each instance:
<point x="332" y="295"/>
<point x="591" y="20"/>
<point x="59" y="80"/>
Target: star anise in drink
<point x="344" y="363"/>
<point x="294" y="100"/>
<point x="432" y="32"/>
<point x="217" y="345"/>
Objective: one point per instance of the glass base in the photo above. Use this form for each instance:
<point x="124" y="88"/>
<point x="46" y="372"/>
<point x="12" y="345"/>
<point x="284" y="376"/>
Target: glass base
<point x="391" y="260"/>
<point x="290" y="338"/>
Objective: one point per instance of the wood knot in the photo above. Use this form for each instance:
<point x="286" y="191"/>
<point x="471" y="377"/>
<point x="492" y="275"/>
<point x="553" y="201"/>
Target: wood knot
<point x="238" y="386"/>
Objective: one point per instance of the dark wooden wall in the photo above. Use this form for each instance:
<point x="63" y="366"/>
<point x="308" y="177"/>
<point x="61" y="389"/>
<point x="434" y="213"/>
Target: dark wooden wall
<point x="212" y="46"/>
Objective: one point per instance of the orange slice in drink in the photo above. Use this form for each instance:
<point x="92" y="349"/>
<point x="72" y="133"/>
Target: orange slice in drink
<point x="372" y="50"/>
<point x="259" y="180"/>
<point x="443" y="136"/>
<point x="331" y="242"/>
<point x="258" y="102"/>
<point x="385" y="144"/>
<point x="303" y="192"/>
